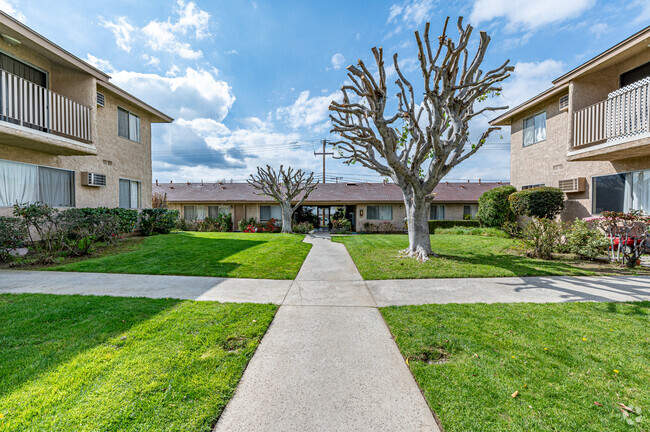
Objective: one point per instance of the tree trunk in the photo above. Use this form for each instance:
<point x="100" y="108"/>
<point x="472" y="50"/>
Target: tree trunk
<point x="417" y="215"/>
<point x="286" y="218"/>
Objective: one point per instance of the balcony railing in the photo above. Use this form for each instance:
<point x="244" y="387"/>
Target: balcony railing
<point x="625" y="114"/>
<point x="30" y="105"/>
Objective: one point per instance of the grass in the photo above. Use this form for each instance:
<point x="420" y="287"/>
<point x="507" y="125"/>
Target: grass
<point x="571" y="363"/>
<point x="377" y="257"/>
<point x="82" y="363"/>
<point x="239" y="255"/>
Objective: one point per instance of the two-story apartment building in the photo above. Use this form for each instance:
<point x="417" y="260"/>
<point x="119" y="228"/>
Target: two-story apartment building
<point x="589" y="134"/>
<point x="68" y="136"/>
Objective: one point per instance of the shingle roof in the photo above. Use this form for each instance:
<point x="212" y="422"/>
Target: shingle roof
<point x="328" y="193"/>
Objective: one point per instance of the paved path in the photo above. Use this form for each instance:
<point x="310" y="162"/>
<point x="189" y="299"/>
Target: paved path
<point x="328" y="361"/>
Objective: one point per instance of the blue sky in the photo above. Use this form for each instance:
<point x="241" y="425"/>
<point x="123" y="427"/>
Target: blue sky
<point x="249" y="82"/>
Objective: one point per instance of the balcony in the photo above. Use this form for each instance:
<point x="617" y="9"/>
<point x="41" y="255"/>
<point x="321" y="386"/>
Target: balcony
<point x="36" y="118"/>
<point x="616" y="128"/>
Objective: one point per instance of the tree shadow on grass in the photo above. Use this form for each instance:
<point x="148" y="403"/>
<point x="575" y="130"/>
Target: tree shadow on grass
<point x="518" y="265"/>
<point x="39" y="332"/>
<point x="186" y="254"/>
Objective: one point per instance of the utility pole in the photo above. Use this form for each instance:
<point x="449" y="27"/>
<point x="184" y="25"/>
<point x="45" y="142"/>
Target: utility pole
<point x="324" y="154"/>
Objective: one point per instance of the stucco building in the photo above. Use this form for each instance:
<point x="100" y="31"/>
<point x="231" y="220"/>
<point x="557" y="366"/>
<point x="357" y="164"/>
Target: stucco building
<point x="374" y="203"/>
<point x="68" y="136"/>
<point x="589" y="133"/>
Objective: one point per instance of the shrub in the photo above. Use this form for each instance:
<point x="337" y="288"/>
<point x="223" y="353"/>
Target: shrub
<point x="302" y="227"/>
<point x="245" y="223"/>
<point x="541" y="236"/>
<point x="12" y="236"/>
<point x="369" y="227"/>
<point x="387" y="228"/>
<point x="41" y="219"/>
<point x="586" y="242"/>
<point x="223" y="222"/>
<point x="540" y="202"/>
<point x="494" y="208"/>
<point x="435" y="224"/>
<point x="158" y="220"/>
<point x="127" y="218"/>
<point x="341" y="225"/>
<point x="512" y="229"/>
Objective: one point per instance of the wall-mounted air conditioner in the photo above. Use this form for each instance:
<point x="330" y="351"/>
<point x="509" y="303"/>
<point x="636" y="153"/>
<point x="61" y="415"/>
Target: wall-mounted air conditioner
<point x="93" y="179"/>
<point x="573" y="185"/>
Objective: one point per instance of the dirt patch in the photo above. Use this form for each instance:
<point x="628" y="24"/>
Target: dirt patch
<point x="234" y="343"/>
<point x="433" y="355"/>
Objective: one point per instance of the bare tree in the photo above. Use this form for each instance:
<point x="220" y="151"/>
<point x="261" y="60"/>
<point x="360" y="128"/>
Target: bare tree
<point x="435" y="133"/>
<point x="284" y="186"/>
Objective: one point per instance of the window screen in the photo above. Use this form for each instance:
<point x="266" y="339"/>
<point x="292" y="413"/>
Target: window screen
<point x="128" y="125"/>
<point x="268" y="212"/>
<point x="437" y="212"/>
<point x="535" y="129"/>
<point x="380" y="212"/>
<point x="610" y="193"/>
<point x="129" y="194"/>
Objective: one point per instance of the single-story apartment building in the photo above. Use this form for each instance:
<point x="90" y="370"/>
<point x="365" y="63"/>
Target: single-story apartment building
<point x="361" y="202"/>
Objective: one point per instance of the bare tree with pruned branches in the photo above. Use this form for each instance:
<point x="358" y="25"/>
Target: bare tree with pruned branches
<point x="284" y="187"/>
<point x="435" y="134"/>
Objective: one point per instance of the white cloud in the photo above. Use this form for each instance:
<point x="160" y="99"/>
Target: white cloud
<point x="193" y="93"/>
<point x="122" y="30"/>
<point x="308" y="112"/>
<point x="644" y="14"/>
<point x="164" y="35"/>
<point x="338" y="61"/>
<point x="101" y="64"/>
<point x="527" y="14"/>
<point x="231" y="52"/>
<point x="7" y="6"/>
<point x="411" y="12"/>
<point x="529" y="79"/>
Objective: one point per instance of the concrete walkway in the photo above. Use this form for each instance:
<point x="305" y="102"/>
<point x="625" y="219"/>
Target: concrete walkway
<point x="328" y="361"/>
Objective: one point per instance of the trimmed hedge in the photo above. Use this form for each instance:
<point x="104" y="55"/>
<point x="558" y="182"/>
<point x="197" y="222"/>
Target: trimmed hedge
<point x="540" y="202"/>
<point x="494" y="208"/>
<point x="128" y="218"/>
<point x="434" y="224"/>
<point x="158" y="221"/>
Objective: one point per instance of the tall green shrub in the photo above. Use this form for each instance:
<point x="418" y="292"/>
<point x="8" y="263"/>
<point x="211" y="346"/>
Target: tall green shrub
<point x="13" y="234"/>
<point x="494" y="208"/>
<point x="541" y="202"/>
<point x="158" y="221"/>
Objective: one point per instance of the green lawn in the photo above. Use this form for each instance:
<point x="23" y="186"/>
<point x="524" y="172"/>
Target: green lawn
<point x="377" y="257"/>
<point x="81" y="363"/>
<point x="259" y="256"/>
<point x="572" y="364"/>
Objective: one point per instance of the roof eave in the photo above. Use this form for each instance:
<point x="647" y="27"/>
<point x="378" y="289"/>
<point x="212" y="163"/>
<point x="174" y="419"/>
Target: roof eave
<point x="505" y="119"/>
<point x="160" y="116"/>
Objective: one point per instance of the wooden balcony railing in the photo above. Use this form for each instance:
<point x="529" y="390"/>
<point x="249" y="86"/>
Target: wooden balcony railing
<point x="625" y="114"/>
<point x="27" y="104"/>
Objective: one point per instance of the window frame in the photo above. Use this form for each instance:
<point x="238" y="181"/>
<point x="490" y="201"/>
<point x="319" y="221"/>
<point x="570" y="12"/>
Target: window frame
<point x="523" y="128"/>
<point x="73" y="191"/>
<point x="378" y="218"/>
<point x="139" y="193"/>
<point x="271" y="216"/>
<point x="532" y="186"/>
<point x="129" y="114"/>
<point x="438" y="208"/>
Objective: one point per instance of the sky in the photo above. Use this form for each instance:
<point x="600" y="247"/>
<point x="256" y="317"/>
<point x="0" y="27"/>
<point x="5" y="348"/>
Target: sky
<point x="249" y="82"/>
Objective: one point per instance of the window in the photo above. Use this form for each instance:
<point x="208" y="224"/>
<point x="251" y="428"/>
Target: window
<point x="622" y="192"/>
<point x="437" y="212"/>
<point x="379" y="212"/>
<point x="26" y="184"/>
<point x="636" y="74"/>
<point x="129" y="194"/>
<point x="128" y="125"/>
<point x="535" y="129"/>
<point x="270" y="212"/>
<point x="193" y="212"/>
<point x="533" y="186"/>
<point x="214" y="211"/>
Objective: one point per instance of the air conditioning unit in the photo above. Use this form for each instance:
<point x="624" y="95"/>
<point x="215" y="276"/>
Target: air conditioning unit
<point x="564" y="102"/>
<point x="93" y="179"/>
<point x="573" y="185"/>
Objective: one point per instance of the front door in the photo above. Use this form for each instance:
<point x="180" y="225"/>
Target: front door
<point x="239" y="215"/>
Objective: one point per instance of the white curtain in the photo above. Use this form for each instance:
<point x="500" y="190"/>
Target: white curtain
<point x="540" y="127"/>
<point x="18" y="183"/>
<point x="134" y="127"/>
<point x="529" y="131"/>
<point x="270" y="212"/>
<point x="640" y="190"/>
<point x="135" y="195"/>
<point x="628" y="199"/>
<point x="56" y="187"/>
